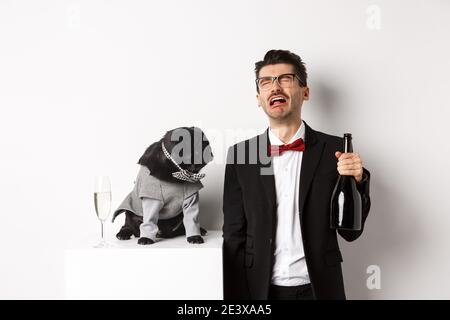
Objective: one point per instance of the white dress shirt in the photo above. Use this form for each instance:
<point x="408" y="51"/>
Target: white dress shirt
<point x="290" y="266"/>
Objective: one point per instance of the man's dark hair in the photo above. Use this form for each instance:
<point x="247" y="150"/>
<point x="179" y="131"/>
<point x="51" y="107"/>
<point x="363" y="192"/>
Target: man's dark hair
<point x="283" y="56"/>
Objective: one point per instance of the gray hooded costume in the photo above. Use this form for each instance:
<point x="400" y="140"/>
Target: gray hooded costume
<point x="155" y="199"/>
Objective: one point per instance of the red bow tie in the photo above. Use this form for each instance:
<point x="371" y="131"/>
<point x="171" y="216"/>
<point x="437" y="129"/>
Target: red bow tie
<point x="297" y="145"/>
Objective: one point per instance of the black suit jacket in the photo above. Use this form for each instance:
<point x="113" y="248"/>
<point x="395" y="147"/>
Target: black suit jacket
<point x="249" y="206"/>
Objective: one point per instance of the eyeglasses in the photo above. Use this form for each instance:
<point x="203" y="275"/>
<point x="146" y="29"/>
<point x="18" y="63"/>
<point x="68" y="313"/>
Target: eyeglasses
<point x="285" y="80"/>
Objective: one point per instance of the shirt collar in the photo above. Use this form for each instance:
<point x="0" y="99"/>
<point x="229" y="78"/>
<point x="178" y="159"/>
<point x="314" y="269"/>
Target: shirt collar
<point x="274" y="140"/>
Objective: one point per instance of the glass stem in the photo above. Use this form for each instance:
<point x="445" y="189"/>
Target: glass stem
<point x="102" y="231"/>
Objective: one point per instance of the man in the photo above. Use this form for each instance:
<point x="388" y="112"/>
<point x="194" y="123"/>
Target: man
<point x="278" y="243"/>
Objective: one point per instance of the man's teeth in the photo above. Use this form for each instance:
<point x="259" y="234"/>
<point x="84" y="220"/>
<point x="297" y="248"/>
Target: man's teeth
<point x="277" y="99"/>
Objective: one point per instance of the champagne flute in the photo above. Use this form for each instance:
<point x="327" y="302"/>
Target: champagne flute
<point x="102" y="201"/>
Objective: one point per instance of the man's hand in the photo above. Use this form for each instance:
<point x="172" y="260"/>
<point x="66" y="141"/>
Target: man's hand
<point x="350" y="164"/>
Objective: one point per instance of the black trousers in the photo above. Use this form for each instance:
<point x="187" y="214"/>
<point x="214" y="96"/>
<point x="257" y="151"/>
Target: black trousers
<point x="303" y="292"/>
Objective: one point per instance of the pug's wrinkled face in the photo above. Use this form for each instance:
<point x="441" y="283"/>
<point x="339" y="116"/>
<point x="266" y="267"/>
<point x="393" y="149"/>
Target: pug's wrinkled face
<point x="189" y="147"/>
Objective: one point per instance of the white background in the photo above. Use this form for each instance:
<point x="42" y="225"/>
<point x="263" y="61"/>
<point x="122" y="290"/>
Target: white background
<point x="86" y="86"/>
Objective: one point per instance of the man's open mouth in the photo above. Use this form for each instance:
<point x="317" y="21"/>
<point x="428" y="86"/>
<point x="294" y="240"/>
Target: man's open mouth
<point x="277" y="100"/>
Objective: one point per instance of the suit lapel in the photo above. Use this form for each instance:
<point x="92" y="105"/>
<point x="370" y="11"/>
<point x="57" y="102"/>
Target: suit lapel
<point x="265" y="168"/>
<point x="311" y="158"/>
<point x="267" y="181"/>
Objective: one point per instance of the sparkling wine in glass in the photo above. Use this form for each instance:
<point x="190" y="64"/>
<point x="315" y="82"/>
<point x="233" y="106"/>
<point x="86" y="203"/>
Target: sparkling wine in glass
<point x="102" y="202"/>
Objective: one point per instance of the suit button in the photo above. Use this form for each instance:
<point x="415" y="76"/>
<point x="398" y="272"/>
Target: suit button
<point x="270" y="240"/>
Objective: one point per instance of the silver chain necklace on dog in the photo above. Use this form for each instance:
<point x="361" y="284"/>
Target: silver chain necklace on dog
<point x="183" y="174"/>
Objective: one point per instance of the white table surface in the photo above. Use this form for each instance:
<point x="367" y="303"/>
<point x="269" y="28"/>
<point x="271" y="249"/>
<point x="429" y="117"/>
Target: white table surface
<point x="168" y="269"/>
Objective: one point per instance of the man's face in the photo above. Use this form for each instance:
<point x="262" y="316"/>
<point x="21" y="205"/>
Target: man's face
<point x="293" y="97"/>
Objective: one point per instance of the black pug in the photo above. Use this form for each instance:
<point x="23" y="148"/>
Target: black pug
<point x="164" y="202"/>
